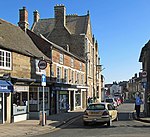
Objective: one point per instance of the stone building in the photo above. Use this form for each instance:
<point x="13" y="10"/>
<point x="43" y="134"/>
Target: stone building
<point x="18" y="55"/>
<point x="144" y="59"/>
<point x="73" y="32"/>
<point x="67" y="76"/>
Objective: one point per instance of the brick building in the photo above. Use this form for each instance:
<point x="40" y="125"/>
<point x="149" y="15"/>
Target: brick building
<point x="73" y="32"/>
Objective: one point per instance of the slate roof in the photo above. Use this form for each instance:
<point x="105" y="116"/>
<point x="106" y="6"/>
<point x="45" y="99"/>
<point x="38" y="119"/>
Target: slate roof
<point x="69" y="35"/>
<point x="145" y="48"/>
<point x="13" y="38"/>
<point x="75" y="24"/>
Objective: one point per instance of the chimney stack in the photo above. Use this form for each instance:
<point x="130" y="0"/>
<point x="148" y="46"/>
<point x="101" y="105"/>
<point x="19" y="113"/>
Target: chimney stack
<point x="23" y="19"/>
<point x="60" y="16"/>
<point x="36" y="16"/>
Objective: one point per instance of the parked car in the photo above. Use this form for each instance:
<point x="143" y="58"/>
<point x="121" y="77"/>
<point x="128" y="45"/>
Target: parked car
<point x="100" y="113"/>
<point x="118" y="100"/>
<point x="112" y="101"/>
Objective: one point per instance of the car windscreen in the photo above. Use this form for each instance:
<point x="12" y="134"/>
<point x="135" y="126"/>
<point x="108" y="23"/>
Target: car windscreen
<point x="96" y="107"/>
<point x="109" y="100"/>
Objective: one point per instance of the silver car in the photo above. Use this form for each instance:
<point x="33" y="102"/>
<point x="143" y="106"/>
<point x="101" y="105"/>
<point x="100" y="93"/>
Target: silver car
<point x="100" y="113"/>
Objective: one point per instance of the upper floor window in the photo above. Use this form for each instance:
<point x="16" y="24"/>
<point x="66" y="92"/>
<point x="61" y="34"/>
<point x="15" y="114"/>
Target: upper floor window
<point x="58" y="74"/>
<point x="5" y="59"/>
<point x="82" y="79"/>
<point x="72" y="62"/>
<point x="72" y="76"/>
<point x="65" y="75"/>
<point x="77" y="78"/>
<point x="61" y="59"/>
<point x="80" y="66"/>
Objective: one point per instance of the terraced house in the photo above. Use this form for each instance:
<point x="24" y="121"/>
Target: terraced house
<point x="74" y="34"/>
<point x="72" y="74"/>
<point x="18" y="55"/>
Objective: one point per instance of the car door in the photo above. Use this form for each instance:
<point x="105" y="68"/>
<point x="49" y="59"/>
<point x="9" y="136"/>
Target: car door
<point x="111" y="111"/>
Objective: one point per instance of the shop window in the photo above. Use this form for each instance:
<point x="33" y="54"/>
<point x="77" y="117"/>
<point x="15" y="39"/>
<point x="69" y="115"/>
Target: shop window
<point x="41" y="98"/>
<point x="20" y="98"/>
<point x="33" y="101"/>
<point x="77" y="99"/>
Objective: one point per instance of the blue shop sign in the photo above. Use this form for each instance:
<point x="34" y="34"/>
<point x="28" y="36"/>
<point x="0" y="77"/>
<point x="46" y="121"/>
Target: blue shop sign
<point x="6" y="86"/>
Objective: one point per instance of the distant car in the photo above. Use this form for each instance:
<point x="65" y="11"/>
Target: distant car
<point x="118" y="100"/>
<point x="100" y="113"/>
<point x="112" y="101"/>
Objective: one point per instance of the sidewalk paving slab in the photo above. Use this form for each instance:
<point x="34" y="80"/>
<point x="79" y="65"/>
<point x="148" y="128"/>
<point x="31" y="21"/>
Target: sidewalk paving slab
<point x="142" y="118"/>
<point x="31" y="127"/>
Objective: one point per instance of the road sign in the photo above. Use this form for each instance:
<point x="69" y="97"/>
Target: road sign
<point x="144" y="74"/>
<point x="42" y="64"/>
<point x="144" y="85"/>
<point x="43" y="80"/>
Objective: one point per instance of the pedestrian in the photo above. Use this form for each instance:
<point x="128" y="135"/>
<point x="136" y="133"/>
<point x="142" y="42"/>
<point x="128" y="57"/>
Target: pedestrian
<point x="138" y="103"/>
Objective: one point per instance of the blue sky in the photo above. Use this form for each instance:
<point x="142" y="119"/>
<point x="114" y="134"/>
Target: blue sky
<point x="121" y="27"/>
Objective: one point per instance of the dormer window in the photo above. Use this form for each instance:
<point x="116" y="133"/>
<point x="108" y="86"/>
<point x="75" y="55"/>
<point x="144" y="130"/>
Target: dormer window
<point x="5" y="59"/>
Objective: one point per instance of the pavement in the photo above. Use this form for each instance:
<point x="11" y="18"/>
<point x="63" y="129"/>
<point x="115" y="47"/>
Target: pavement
<point x="29" y="128"/>
<point x="142" y="118"/>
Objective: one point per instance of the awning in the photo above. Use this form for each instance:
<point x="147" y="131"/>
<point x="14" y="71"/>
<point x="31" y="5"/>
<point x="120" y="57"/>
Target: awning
<point x="6" y="86"/>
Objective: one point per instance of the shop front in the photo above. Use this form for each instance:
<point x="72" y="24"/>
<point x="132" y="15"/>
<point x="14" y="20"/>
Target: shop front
<point x="6" y="88"/>
<point x="63" y="101"/>
<point x="36" y="101"/>
<point x="20" y="103"/>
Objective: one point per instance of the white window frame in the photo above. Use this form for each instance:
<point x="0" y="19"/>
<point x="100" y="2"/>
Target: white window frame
<point x="82" y="79"/>
<point x="78" y="78"/>
<point x="61" y="59"/>
<point x="72" y="62"/>
<point x="6" y="59"/>
<point x="72" y="76"/>
<point x="65" y="75"/>
<point x="59" y="74"/>
<point x="80" y="66"/>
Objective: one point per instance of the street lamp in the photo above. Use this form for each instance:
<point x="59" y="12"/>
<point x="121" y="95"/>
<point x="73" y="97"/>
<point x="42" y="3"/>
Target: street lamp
<point x="98" y="70"/>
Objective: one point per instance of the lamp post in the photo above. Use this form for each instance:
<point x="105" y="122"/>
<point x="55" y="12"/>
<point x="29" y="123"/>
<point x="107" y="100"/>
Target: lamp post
<point x="98" y="70"/>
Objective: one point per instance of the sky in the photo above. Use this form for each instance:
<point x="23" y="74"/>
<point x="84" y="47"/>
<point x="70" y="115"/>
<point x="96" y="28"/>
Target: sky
<point x="121" y="28"/>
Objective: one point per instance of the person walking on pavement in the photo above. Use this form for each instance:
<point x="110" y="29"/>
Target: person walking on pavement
<point x="138" y="103"/>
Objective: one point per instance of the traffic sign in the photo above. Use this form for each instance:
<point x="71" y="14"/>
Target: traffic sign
<point x="144" y="74"/>
<point x="43" y="80"/>
<point x="42" y="64"/>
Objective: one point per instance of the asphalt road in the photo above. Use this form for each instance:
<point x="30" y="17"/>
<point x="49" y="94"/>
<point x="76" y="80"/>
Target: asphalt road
<point x="125" y="127"/>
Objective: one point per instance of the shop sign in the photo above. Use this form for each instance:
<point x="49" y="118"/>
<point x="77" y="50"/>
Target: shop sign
<point x="19" y="110"/>
<point x="3" y="87"/>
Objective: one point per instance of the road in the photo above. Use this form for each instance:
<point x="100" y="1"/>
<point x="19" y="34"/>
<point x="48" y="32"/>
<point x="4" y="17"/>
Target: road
<point x="125" y="127"/>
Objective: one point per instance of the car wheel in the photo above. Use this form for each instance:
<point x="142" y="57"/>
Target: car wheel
<point x="85" y="123"/>
<point x="116" y="119"/>
<point x="109" y="123"/>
